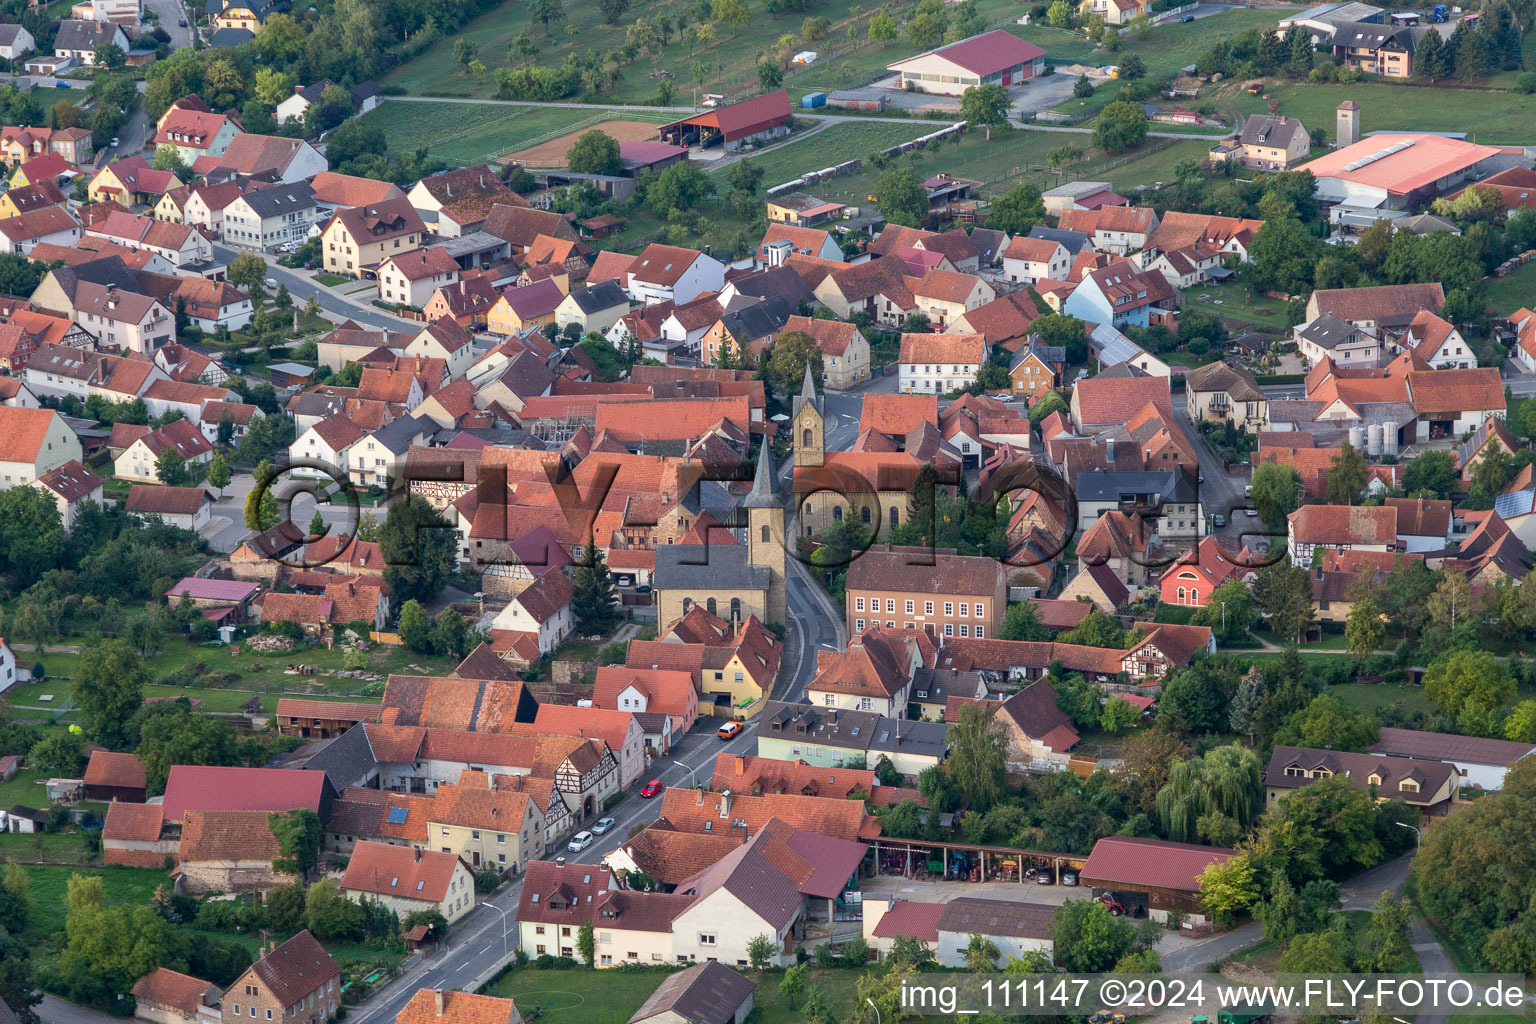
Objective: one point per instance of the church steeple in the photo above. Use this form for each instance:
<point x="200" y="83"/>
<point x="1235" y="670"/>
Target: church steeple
<point x="808" y="395"/>
<point x="765" y="488"/>
<point x="808" y="423"/>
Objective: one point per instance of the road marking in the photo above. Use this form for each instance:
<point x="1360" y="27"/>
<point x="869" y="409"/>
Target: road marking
<point x="484" y="951"/>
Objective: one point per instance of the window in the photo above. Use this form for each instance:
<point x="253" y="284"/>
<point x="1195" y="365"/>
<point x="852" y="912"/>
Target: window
<point x="706" y="939"/>
<point x="949" y="630"/>
<point x="965" y="630"/>
<point x="858" y="624"/>
<point x="927" y="607"/>
<point x="501" y="837"/>
<point x="980" y="633"/>
<point x="965" y="610"/>
<point x="890" y="604"/>
<point x="910" y="606"/>
<point x="858" y="605"/>
<point x="949" y="608"/>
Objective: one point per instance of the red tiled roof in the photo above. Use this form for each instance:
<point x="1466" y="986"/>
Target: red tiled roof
<point x="165" y="987"/>
<point x="985" y="54"/>
<point x="133" y="822"/>
<point x="381" y="869"/>
<point x="122" y="771"/>
<point x="200" y="787"/>
<point x="1152" y="862"/>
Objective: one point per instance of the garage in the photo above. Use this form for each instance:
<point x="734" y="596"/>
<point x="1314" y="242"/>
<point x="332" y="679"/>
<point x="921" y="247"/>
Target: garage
<point x="1159" y="876"/>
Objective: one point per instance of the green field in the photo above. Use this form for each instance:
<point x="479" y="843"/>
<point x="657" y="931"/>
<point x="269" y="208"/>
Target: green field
<point x="1165" y="49"/>
<point x="1507" y="294"/>
<point x="847" y="140"/>
<point x="471" y="133"/>
<point x="46" y="885"/>
<point x="1236" y="302"/>
<point x="1488" y="117"/>
<point x="577" y="996"/>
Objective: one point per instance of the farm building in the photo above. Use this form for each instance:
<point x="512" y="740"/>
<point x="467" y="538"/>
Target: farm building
<point x="1152" y="875"/>
<point x="992" y="58"/>
<point x="754" y="120"/>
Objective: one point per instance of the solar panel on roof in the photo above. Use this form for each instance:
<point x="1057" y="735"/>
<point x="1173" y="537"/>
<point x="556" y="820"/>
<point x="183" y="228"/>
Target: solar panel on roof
<point x="397" y="815"/>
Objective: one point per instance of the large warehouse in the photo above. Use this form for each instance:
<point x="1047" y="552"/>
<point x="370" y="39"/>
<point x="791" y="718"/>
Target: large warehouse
<point x="1403" y="171"/>
<point x="992" y="58"/>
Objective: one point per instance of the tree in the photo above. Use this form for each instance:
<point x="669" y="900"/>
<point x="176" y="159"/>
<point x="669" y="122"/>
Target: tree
<point x="283" y="907"/>
<point x="1387" y="936"/>
<point x="1132" y="67"/>
<point x="1225" y="781"/>
<point x="1065" y="331"/>
<point x="61" y="755"/>
<point x="1366" y="627"/>
<point x="1228" y="889"/>
<point x="981" y="955"/>
<point x="247" y="271"/>
<point x="985" y="105"/>
<point x="1432" y="474"/>
<point x="769" y="75"/>
<point x="171" y="468"/>
<point x="1282" y="257"/>
<point x="586" y="944"/>
<point x="1229" y="612"/>
<point x="1284" y="592"/>
<point x="451" y="635"/>
<point x="110" y="56"/>
<point x="1018" y="210"/>
<point x="612" y="10"/>
<point x="978" y="748"/>
<point x="1451" y="610"/>
<point x="760" y="951"/>
<point x="548" y="13"/>
<point x="1049" y="402"/>
<point x="1328" y="723"/>
<point x="595" y="152"/>
<point x="1520" y="726"/>
<point x="901" y="197"/>
<point x="108" y="688"/>
<point x="1346" y="476"/>
<point x="330" y="915"/>
<point x="1429" y="58"/>
<point x="1119" y="715"/>
<point x="679" y="187"/>
<point x="107" y="949"/>
<point x="784" y="370"/>
<point x="421" y="550"/>
<point x="1276" y="493"/>
<point x="1491" y="472"/>
<point x="299" y="834"/>
<point x="219" y="474"/>
<point x="882" y="28"/>
<point x="745" y="176"/>
<point x="733" y="14"/>
<point x="1059" y="14"/>
<point x="1145" y="761"/>
<point x="187" y="737"/>
<point x="911" y="952"/>
<point x="1463" y="679"/>
<point x="1021" y="622"/>
<point x="594" y="599"/>
<point x="792" y="985"/>
<point x="260" y="507"/>
<point x="415" y="627"/>
<point x="1087" y="939"/>
<point x="32" y="539"/>
<point x="1120" y="126"/>
<point x="925" y="28"/>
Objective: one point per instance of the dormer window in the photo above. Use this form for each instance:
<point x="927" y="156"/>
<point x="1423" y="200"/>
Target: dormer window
<point x="1374" y="779"/>
<point x="1408" y="786"/>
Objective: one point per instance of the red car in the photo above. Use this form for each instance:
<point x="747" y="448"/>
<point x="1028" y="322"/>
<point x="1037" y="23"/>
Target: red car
<point x="651" y="788"/>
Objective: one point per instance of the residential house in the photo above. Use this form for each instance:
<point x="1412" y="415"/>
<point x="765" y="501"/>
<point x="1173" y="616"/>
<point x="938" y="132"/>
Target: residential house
<point x="801" y="210"/>
<point x="412" y="278"/>
<point x="1121" y="296"/>
<point x="1036" y="369"/>
<point x="666" y="273"/>
<point x="1028" y="260"/>
<point x="1437" y="342"/>
<point x="543" y="611"/>
<point x="131" y="181"/>
<point x="828" y="737"/>
<point x="365" y="236"/>
<point x="1270" y="142"/>
<point x="1479" y="762"/>
<point x="457" y="191"/>
<point x="71" y="486"/>
<point x="595" y="309"/>
<point x="1383" y="310"/>
<point x="517" y="309"/>
<point x="706" y="993"/>
<point x="328" y="443"/>
<point x="874" y="673"/>
<point x="1431" y="787"/>
<point x="363" y="98"/>
<point x="1113" y="229"/>
<point x="437" y="1006"/>
<point x="407" y="881"/>
<point x="1349" y="528"/>
<point x="30" y="197"/>
<point x="444" y="339"/>
<point x="15" y="42"/>
<point x="940" y="363"/>
<point x="140" y="460"/>
<point x="188" y="508"/>
<point x="1327" y="337"/>
<point x="335" y="191"/>
<point x="781" y="240"/>
<point x="243" y="15"/>
<point x="297" y="981"/>
<point x="267" y="218"/>
<point x="948" y="595"/>
<point x="79" y="40"/>
<point x="1222" y="393"/>
<point x="164" y="996"/>
<point x="845" y="360"/>
<point x="38" y="441"/>
<point x="272" y="157"/>
<point x="468" y="302"/>
<point x="51" y="225"/>
<point x="1195" y="575"/>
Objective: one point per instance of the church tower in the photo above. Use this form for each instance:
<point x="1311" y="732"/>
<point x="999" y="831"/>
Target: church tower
<point x="766" y="542"/>
<point x="808" y="424"/>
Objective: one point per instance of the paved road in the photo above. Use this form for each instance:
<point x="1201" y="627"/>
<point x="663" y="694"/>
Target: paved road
<point x="301" y="287"/>
<point x="54" y="1010"/>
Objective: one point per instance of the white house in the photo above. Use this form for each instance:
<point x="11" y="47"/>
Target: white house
<point x="542" y="609"/>
<point x="37" y="441"/>
<point x="71" y="486"/>
<point x="1326" y="336"/>
<point x="1027" y="260"/>
<point x="15" y="41"/>
<point x="140" y="459"/>
<point x="1437" y="341"/>
<point x="9" y="675"/>
<point x="329" y="442"/>
<point x="446" y="340"/>
<point x="188" y="508"/>
<point x="411" y="278"/>
<point x="667" y="273"/>
<point x="1481" y="763"/>
<point x="270" y="217"/>
<point x="940" y="363"/>
<point x="407" y="880"/>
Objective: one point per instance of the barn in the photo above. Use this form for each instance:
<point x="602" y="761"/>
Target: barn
<point x="992" y="58"/>
<point x="739" y="124"/>
<point x="1153" y="875"/>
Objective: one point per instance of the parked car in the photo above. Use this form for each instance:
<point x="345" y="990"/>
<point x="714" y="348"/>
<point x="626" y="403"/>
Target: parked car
<point x="730" y="730"/>
<point x="181" y="22"/>
<point x="114" y="141"/>
<point x="580" y="841"/>
<point x="601" y="826"/>
<point x="1248" y="490"/>
<point x="1186" y="19"/>
<point x="271" y="282"/>
<point x="1218" y="520"/>
<point x="651" y="788"/>
<point x="1045" y="876"/>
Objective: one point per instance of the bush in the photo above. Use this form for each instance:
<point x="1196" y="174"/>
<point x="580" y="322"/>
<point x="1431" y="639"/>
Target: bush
<point x="855" y="954"/>
<point x="546" y="962"/>
<point x="487" y="880"/>
<point x="37" y="671"/>
<point x="1525" y="82"/>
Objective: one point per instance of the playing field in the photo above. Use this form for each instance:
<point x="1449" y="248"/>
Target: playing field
<point x="552" y="153"/>
<point x="472" y="133"/>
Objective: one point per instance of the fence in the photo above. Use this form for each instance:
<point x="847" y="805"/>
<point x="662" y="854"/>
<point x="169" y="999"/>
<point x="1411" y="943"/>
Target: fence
<point x="850" y="166"/>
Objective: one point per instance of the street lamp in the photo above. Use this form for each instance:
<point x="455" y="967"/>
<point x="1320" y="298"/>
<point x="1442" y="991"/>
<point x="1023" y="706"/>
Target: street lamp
<point x="872" y="1006"/>
<point x="689" y="770"/>
<point x="503" y="914"/>
<point x="1414" y="829"/>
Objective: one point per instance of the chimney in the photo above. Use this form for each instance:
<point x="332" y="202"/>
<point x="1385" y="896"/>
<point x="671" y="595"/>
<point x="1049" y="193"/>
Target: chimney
<point x="560" y="862"/>
<point x="437" y="1001"/>
<point x="698" y="800"/>
<point x="418" y="855"/>
<point x="725" y="804"/>
<point x="741" y="765"/>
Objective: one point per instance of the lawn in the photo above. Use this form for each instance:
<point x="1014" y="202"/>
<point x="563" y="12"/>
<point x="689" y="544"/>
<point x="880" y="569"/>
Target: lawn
<point x="59" y="847"/>
<point x="471" y="133"/>
<point x="1369" y="698"/>
<point x="23" y="787"/>
<point x="332" y="280"/>
<point x="831" y="145"/>
<point x="1488" y="117"/>
<point x="1236" y="302"/>
<point x="729" y="65"/>
<point x="46" y="885"/>
<point x="1507" y="294"/>
<point x="577" y="996"/>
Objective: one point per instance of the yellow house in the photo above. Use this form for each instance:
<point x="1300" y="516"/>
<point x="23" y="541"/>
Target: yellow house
<point x="488" y="828"/>
<point x="36" y="197"/>
<point x="518" y="309"/>
<point x="362" y="237"/>
<point x="246" y="14"/>
<point x="130" y="181"/>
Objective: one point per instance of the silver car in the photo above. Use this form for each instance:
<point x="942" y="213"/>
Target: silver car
<point x="601" y="826"/>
